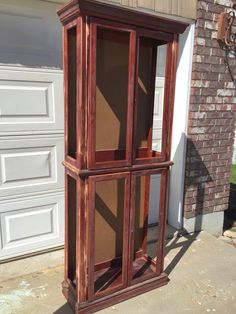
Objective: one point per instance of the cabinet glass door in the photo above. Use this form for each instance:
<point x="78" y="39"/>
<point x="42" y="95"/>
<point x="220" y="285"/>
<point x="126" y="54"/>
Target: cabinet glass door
<point x="152" y="101"/>
<point x="111" y="94"/>
<point x="147" y="221"/>
<point x="108" y="215"/>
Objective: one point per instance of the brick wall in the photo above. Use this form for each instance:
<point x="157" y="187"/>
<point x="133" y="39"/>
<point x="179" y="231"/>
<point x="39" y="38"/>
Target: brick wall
<point x="211" y="118"/>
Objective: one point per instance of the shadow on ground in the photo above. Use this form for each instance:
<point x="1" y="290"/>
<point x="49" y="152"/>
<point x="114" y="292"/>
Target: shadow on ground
<point x="182" y="242"/>
<point x="198" y="181"/>
<point x="230" y="213"/>
<point x="65" y="309"/>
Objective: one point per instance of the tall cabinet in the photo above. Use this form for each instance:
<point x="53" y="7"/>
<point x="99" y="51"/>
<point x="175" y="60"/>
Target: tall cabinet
<point x="113" y="250"/>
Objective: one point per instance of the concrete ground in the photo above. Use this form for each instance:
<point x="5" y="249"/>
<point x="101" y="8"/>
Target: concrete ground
<point x="202" y="276"/>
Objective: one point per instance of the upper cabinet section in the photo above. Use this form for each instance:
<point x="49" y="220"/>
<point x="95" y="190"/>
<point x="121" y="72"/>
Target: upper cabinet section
<point x="119" y="86"/>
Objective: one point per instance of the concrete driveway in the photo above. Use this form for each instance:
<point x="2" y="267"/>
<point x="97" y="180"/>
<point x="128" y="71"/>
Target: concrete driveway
<point x="201" y="268"/>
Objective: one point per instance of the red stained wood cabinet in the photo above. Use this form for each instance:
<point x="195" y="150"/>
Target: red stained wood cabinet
<point x="113" y="250"/>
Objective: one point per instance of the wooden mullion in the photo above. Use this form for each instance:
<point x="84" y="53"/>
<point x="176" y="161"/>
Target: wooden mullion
<point x="174" y="59"/>
<point x="166" y="98"/>
<point x="91" y="237"/>
<point x="70" y="234"/>
<point x="86" y="96"/>
<point x="66" y="250"/>
<point x="135" y="103"/>
<point x="126" y="224"/>
<point x="162" y="221"/>
<point x="170" y="75"/>
<point x="146" y="212"/>
<point x="65" y="67"/>
<point x="130" y="110"/>
<point x="131" y="228"/>
<point x="79" y="87"/>
<point x="82" y="61"/>
<point x="92" y="96"/>
<point x="81" y="240"/>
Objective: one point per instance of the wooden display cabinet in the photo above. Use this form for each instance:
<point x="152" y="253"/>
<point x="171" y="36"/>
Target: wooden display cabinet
<point x="112" y="252"/>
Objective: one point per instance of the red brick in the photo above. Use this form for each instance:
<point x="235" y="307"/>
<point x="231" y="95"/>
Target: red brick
<point x="212" y="113"/>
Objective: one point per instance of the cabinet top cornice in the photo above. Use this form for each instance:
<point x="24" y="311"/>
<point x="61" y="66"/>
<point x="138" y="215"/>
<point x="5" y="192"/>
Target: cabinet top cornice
<point x="75" y="8"/>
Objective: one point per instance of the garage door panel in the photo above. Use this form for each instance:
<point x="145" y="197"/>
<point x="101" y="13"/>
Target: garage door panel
<point x="28" y="40"/>
<point x="31" y="101"/>
<point x="17" y="98"/>
<point x="31" y="224"/>
<point x="30" y="165"/>
<point x="33" y="165"/>
<point x="32" y="25"/>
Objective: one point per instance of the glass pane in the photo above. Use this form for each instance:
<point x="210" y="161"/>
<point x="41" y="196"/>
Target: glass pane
<point x="109" y="218"/>
<point x="150" y="95"/>
<point x="147" y="196"/>
<point x="71" y="209"/>
<point x="111" y="94"/>
<point x="159" y="99"/>
<point x="71" y="119"/>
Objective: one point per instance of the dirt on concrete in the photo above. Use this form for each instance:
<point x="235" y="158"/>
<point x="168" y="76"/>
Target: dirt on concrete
<point x="202" y="276"/>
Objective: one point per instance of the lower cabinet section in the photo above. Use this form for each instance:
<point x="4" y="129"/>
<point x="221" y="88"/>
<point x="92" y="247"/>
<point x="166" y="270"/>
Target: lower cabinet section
<point x="115" y="225"/>
<point x="31" y="224"/>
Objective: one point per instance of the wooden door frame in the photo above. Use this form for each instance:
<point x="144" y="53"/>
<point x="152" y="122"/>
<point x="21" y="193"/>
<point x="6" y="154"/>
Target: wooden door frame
<point x="94" y="24"/>
<point x="169" y="92"/>
<point x="91" y="232"/>
<point x="164" y="172"/>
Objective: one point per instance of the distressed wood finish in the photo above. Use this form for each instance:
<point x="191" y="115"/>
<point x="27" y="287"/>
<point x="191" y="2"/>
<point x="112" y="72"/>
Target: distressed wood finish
<point x="85" y="167"/>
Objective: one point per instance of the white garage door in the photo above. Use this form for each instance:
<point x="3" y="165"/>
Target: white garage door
<point x="31" y="128"/>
